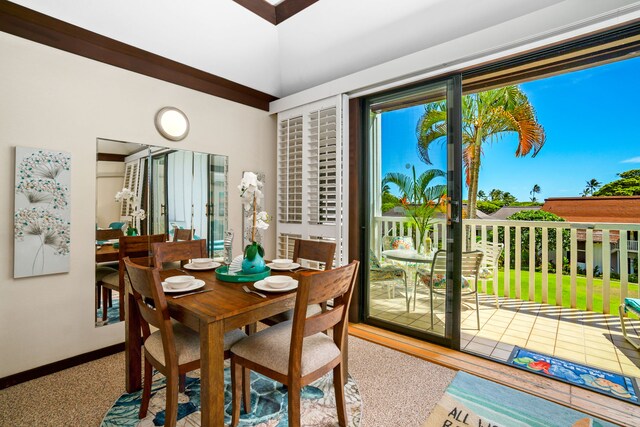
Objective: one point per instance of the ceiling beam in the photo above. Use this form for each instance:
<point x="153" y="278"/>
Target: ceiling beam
<point x="40" y="28"/>
<point x="278" y="13"/>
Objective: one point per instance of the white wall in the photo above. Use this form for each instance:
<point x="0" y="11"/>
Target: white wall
<point x="109" y="180"/>
<point x="54" y="100"/>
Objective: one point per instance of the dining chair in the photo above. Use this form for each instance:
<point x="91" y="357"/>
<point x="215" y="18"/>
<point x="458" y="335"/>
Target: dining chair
<point x="173" y="349"/>
<point x="435" y="278"/>
<point x="183" y="251"/>
<point x="296" y="353"/>
<point x="108" y="234"/>
<point x="105" y="268"/>
<point x="387" y="275"/>
<point x="489" y="267"/>
<point x="182" y="234"/>
<point x="130" y="246"/>
<point x="317" y="252"/>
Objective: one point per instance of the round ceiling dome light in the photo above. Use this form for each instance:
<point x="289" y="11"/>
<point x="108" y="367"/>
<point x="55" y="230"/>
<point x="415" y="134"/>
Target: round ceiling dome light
<point x="172" y="123"/>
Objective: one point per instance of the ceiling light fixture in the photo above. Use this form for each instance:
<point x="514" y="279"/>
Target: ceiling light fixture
<point x="172" y="123"/>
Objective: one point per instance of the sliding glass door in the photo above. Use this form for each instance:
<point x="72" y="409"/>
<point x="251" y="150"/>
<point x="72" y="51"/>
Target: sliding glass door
<point x="414" y="229"/>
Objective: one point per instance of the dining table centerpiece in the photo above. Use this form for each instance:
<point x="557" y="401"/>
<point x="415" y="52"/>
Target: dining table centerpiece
<point x="137" y="215"/>
<point x="251" y="192"/>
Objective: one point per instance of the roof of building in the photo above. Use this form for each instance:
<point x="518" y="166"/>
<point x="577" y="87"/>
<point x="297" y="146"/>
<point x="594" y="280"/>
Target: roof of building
<point x="506" y="211"/>
<point x="618" y="209"/>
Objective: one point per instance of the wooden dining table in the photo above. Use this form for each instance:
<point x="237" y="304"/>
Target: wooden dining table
<point x="226" y="307"/>
<point x="106" y="253"/>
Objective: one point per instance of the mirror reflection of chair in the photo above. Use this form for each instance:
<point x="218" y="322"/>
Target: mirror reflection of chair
<point x="105" y="268"/>
<point x="173" y="349"/>
<point x="435" y="278"/>
<point x="180" y="234"/>
<point x="489" y="268"/>
<point x="318" y="253"/>
<point x="173" y="252"/>
<point x="130" y="246"/>
<point x="297" y="353"/>
<point x="387" y="275"/>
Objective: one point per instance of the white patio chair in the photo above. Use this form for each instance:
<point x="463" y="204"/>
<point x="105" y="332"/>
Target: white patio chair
<point x="489" y="267"/>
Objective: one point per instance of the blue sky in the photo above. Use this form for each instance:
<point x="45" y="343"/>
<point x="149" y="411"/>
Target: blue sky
<point x="591" y="121"/>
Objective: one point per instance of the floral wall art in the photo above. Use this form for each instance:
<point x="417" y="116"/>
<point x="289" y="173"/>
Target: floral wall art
<point x="42" y="212"/>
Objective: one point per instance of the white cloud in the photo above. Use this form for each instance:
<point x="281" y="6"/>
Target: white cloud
<point x="632" y="160"/>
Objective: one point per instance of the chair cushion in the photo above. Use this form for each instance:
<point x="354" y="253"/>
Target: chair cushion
<point x="113" y="279"/>
<point x="485" y="273"/>
<point x="386" y="273"/>
<point x="439" y="280"/>
<point x="187" y="343"/>
<point x="270" y="348"/>
<point x="373" y="260"/>
<point x="288" y="315"/>
<point x="103" y="271"/>
<point x="397" y="242"/>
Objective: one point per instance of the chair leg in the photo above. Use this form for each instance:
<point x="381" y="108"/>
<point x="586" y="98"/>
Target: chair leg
<point x="406" y="294"/>
<point x="121" y="302"/>
<point x="477" y="310"/>
<point x="338" y="385"/>
<point x="105" y="298"/>
<point x="171" y="410"/>
<point x="236" y="383"/>
<point x="146" y="389"/>
<point x="631" y="341"/>
<point x="415" y="287"/>
<point x="294" y="403"/>
<point x="182" y="382"/>
<point x="246" y="389"/>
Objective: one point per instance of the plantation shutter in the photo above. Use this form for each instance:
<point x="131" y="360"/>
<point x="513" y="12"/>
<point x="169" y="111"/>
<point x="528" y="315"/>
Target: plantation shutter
<point x="133" y="180"/>
<point x="311" y="173"/>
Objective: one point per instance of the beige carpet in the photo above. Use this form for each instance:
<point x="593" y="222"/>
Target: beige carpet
<point x="397" y="390"/>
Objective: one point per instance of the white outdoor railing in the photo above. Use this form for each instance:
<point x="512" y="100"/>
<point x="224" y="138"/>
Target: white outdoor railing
<point x="595" y="253"/>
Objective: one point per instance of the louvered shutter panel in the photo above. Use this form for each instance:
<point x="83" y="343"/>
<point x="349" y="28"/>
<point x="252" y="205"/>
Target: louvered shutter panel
<point x="311" y="175"/>
<point x="133" y="180"/>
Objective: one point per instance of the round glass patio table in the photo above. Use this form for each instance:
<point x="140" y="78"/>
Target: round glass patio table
<point x="409" y="256"/>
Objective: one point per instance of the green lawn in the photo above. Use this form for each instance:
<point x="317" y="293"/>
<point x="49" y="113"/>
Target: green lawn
<point x="581" y="290"/>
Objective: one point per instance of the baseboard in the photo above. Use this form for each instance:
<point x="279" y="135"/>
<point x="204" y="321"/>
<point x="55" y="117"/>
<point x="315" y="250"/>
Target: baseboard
<point x="60" y="365"/>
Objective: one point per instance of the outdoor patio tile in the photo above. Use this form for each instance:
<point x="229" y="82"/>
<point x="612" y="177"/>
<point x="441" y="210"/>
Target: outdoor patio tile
<point x="482" y="349"/>
<point x="504" y="346"/>
<point x="570" y="355"/>
<point x="501" y="355"/>
<point x="570" y="338"/>
<point x="629" y="369"/>
<point x="542" y="340"/>
<point x="603" y="352"/>
<point x="603" y="363"/>
<point x="569" y="346"/>
<point x="485" y="341"/>
<point x="521" y="342"/>
<point x="539" y="347"/>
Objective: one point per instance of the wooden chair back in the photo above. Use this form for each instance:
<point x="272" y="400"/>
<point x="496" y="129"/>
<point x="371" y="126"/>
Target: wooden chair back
<point x="314" y="288"/>
<point x="320" y="251"/>
<point x="135" y="247"/>
<point x="180" y="234"/>
<point x="146" y="285"/>
<point x="109" y="234"/>
<point x="178" y="251"/>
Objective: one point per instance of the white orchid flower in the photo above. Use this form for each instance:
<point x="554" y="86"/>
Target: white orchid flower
<point x="262" y="220"/>
<point x="124" y="194"/>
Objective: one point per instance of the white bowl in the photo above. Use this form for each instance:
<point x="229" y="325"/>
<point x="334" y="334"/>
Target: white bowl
<point x="282" y="263"/>
<point x="278" y="282"/>
<point x="201" y="262"/>
<point x="179" y="282"/>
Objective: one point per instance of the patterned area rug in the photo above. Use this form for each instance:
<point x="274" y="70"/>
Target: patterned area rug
<point x="113" y="313"/>
<point x="605" y="382"/>
<point x="473" y="401"/>
<point x="268" y="403"/>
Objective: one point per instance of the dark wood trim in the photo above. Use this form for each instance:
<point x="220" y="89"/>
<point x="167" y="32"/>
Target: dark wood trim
<point x="60" y="365"/>
<point x="288" y="8"/>
<point x="275" y="14"/>
<point x="356" y="151"/>
<point x="31" y="25"/>
<point x="110" y="157"/>
<point x="264" y="10"/>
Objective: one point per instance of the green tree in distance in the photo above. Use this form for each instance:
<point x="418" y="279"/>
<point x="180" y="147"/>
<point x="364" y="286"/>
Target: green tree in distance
<point x="535" y="190"/>
<point x="627" y="185"/>
<point x="486" y="117"/>
<point x="420" y="198"/>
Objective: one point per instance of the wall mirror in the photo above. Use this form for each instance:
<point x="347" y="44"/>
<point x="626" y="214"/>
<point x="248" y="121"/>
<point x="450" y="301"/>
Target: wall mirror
<point x="144" y="190"/>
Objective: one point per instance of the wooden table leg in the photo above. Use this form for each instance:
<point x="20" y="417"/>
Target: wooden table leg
<point x="133" y="346"/>
<point x="212" y="374"/>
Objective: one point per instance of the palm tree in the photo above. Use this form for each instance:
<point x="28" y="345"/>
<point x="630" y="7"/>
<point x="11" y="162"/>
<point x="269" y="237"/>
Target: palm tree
<point x="592" y="186"/>
<point x="496" y="195"/>
<point x="486" y="117"/>
<point x="482" y="195"/>
<point x="419" y="198"/>
<point x="386" y="189"/>
<point x="535" y="190"/>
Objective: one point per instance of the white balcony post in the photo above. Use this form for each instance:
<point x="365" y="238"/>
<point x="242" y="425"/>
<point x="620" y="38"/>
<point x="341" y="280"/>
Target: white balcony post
<point x="559" y="265"/>
<point x="507" y="261"/>
<point x="624" y="266"/>
<point x="518" y="255"/>
<point x="589" y="267"/>
<point x="532" y="263"/>
<point x="606" y="271"/>
<point x="573" y="262"/>
<point x="545" y="265"/>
